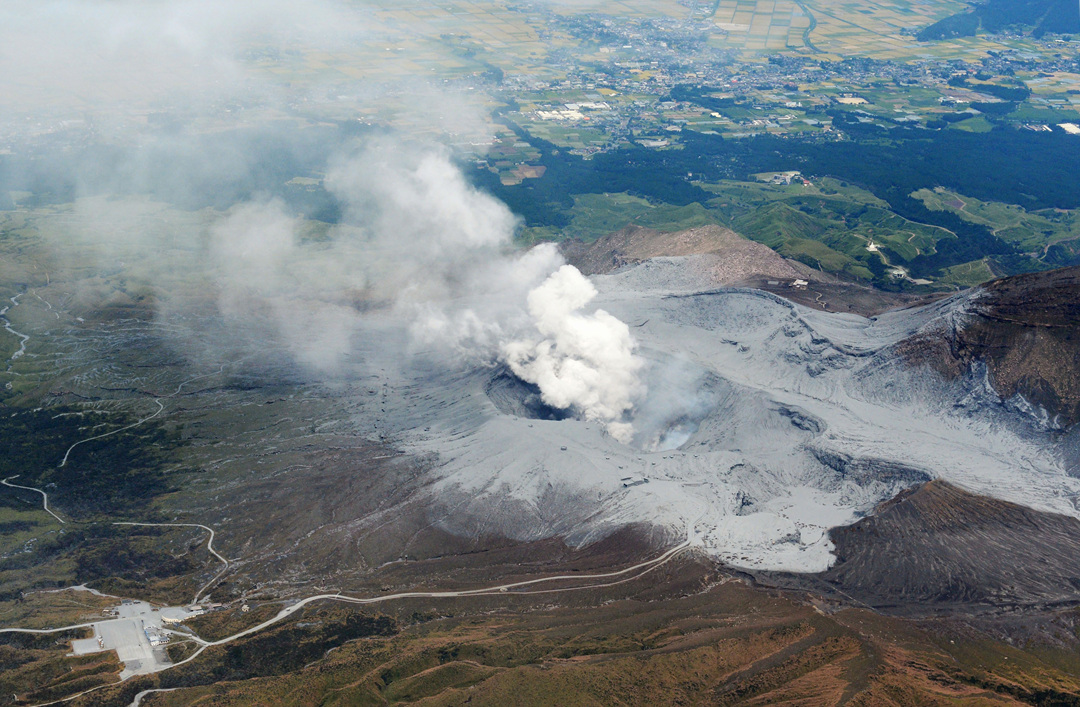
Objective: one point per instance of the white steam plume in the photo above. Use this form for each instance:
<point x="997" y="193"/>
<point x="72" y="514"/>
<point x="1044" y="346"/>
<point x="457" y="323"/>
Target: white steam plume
<point x="426" y="231"/>
<point x="444" y="252"/>
<point x="263" y="272"/>
<point x="581" y="361"/>
<point x="440" y="252"/>
<point x="416" y="236"/>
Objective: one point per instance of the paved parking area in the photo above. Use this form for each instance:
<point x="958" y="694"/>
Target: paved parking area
<point x="82" y="646"/>
<point x="126" y="634"/>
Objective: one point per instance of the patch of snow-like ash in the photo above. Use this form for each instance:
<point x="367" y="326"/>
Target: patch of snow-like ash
<point x="764" y="424"/>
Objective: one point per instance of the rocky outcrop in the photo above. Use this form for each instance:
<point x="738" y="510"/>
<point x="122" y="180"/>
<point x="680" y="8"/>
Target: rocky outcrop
<point x="1026" y="329"/>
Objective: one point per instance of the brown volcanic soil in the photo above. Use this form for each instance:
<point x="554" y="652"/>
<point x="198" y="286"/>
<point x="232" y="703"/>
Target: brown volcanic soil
<point x="1027" y="330"/>
<point x="1047" y="299"/>
<point x="692" y="632"/>
<point x="742" y="258"/>
<point x="686" y="635"/>
<point x="351" y="515"/>
<point x="937" y="547"/>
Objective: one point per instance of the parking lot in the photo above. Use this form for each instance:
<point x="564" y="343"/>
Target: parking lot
<point x="126" y="634"/>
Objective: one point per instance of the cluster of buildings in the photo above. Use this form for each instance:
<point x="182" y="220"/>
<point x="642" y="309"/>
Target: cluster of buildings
<point x="646" y="58"/>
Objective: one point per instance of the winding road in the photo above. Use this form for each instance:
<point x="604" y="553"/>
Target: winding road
<point x="627" y="574"/>
<point x="161" y="408"/>
<point x="641" y="568"/>
<point x="645" y="568"/>
<point x="209" y="546"/>
<point x="44" y="496"/>
<point x="23" y="338"/>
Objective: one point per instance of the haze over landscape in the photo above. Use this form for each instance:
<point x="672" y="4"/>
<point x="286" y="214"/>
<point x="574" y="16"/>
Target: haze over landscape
<point x="539" y="353"/>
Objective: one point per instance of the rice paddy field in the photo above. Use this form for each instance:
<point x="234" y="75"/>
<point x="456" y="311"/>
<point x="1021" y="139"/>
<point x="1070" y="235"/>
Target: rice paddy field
<point x="444" y="38"/>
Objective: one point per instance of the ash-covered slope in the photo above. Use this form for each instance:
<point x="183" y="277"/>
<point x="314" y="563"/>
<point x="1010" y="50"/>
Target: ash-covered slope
<point x="763" y="425"/>
<point x="1026" y="330"/>
<point x="938" y="544"/>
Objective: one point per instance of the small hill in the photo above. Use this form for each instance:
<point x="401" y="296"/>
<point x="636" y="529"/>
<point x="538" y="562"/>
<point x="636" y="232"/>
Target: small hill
<point x="938" y="549"/>
<point x="740" y="259"/>
<point x="939" y="544"/>
<point x="776" y="222"/>
<point x="721" y="257"/>
<point x="1057" y="16"/>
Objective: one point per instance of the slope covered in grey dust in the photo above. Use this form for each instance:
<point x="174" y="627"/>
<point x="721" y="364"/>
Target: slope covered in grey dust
<point x="765" y="424"/>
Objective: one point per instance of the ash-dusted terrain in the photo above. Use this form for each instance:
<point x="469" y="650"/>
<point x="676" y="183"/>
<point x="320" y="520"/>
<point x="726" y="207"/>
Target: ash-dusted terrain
<point x="401" y="453"/>
<point x="765" y="424"/>
<point x="535" y="353"/>
<point x="752" y="423"/>
<point x="406" y="412"/>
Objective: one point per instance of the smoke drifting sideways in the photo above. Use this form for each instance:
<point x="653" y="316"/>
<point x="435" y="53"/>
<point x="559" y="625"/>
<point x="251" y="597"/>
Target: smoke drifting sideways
<point x="421" y="243"/>
<point x="410" y="236"/>
<point x="417" y="247"/>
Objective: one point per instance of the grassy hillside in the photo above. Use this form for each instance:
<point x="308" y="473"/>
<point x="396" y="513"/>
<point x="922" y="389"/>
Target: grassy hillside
<point x="705" y="639"/>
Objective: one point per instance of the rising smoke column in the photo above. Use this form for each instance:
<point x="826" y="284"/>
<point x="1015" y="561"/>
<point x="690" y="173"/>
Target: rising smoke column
<point x="580" y="361"/>
<point x="443" y="251"/>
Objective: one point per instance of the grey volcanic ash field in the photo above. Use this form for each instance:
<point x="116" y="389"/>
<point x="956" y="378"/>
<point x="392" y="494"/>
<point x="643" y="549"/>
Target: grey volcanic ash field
<point x="760" y="423"/>
<point x="543" y="403"/>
